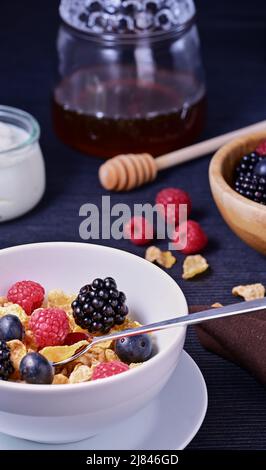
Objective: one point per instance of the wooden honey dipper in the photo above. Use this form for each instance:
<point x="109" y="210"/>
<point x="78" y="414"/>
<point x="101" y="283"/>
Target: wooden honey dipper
<point x="126" y="172"/>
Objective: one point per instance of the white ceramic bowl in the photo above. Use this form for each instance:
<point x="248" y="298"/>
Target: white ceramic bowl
<point x="67" y="413"/>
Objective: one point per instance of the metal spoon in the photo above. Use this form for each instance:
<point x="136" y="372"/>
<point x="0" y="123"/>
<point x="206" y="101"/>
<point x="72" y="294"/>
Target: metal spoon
<point x="212" y="314"/>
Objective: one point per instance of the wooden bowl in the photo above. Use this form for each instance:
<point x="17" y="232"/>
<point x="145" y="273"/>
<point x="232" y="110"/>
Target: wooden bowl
<point x="245" y="217"/>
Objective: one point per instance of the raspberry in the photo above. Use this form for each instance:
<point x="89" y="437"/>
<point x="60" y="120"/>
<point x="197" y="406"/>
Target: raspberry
<point x="28" y="294"/>
<point x="107" y="369"/>
<point x="196" y="237"/>
<point x="139" y="230"/>
<point x="261" y="149"/>
<point x="50" y="326"/>
<point x="175" y="197"/>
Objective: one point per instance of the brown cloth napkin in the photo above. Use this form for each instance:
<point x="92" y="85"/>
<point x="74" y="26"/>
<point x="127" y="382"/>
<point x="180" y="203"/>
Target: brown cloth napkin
<point x="240" y="339"/>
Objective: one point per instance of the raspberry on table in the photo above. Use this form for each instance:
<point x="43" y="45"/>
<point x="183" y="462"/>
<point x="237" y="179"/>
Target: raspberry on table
<point x="107" y="369"/>
<point x="196" y="237"/>
<point x="50" y="326"/>
<point x="139" y="230"/>
<point x="170" y="200"/>
<point x="28" y="294"/>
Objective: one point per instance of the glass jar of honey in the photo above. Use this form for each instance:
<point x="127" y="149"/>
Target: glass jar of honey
<point x="131" y="77"/>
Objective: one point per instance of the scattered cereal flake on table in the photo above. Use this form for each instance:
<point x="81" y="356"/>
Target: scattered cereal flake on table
<point x="110" y="355"/>
<point x="249" y="291"/>
<point x="60" y="379"/>
<point x="60" y="353"/>
<point x="167" y="260"/>
<point x="217" y="305"/>
<point x="152" y="253"/>
<point x="58" y="298"/>
<point x="14" y="309"/>
<point x="18" y="351"/>
<point x="80" y="374"/>
<point x="163" y="258"/>
<point x="133" y="365"/>
<point x="194" y="265"/>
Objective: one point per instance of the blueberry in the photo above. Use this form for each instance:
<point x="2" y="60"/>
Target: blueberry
<point x="134" y="348"/>
<point x="11" y="328"/>
<point x="260" y="168"/>
<point x="36" y="369"/>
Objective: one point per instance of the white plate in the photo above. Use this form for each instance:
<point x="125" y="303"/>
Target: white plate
<point x="168" y="423"/>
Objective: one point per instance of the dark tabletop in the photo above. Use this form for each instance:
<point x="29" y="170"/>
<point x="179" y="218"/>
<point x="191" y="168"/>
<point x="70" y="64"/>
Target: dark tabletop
<point x="234" y="52"/>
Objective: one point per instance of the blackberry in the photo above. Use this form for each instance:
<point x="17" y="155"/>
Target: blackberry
<point x="99" y="306"/>
<point x="6" y="366"/>
<point x="248" y="181"/>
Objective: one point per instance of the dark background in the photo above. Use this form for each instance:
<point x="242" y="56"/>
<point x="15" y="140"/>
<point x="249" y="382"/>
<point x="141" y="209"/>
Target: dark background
<point x="234" y="51"/>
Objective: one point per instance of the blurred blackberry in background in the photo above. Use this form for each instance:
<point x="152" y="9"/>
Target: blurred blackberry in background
<point x="250" y="177"/>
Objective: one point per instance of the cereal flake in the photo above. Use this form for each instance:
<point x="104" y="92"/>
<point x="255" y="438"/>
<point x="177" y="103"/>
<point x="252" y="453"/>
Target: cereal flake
<point x="58" y="298"/>
<point x="163" y="258"/>
<point x="14" y="309"/>
<point x="60" y="379"/>
<point x="60" y="353"/>
<point x="17" y="352"/>
<point x="80" y="374"/>
<point x="134" y="365"/>
<point x="249" y="291"/>
<point x="194" y="265"/>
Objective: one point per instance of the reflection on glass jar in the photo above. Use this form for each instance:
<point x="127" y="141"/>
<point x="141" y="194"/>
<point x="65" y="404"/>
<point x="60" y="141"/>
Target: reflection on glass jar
<point x="130" y="90"/>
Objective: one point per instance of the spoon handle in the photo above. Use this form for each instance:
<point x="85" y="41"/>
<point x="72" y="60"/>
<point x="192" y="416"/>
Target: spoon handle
<point x="198" y="317"/>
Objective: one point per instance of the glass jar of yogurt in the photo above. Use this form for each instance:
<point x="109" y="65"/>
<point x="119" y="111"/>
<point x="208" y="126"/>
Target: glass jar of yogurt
<point x="22" y="171"/>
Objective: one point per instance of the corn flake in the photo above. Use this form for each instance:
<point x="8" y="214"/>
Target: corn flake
<point x="80" y="374"/>
<point x="60" y="379"/>
<point x="163" y="258"/>
<point x="60" y="353"/>
<point x="134" y="365"/>
<point x="58" y="298"/>
<point x="14" y="309"/>
<point x="249" y="291"/>
<point x="110" y="355"/>
<point x="17" y="352"/>
<point x="29" y="341"/>
<point x="105" y="344"/>
<point x="194" y="265"/>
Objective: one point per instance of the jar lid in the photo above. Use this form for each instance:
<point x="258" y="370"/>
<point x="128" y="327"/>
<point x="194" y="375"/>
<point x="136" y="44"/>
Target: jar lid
<point x="126" y="16"/>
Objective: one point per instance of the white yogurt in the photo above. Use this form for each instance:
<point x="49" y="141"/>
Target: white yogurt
<point x="22" y="172"/>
